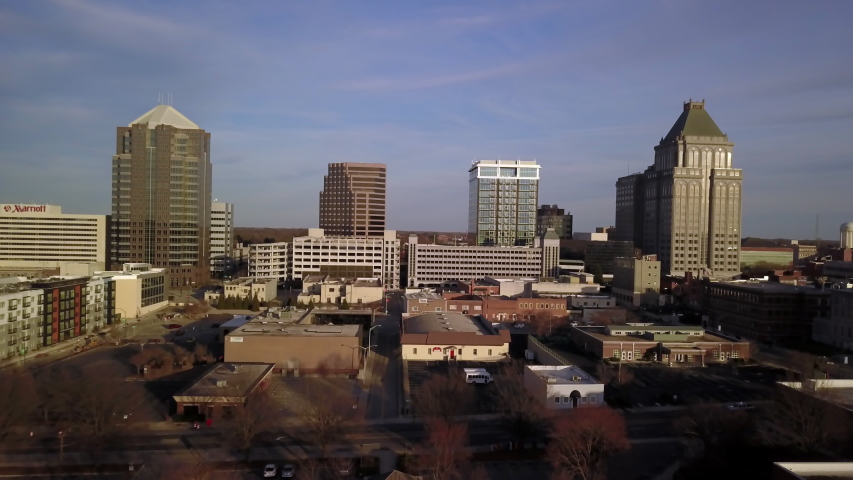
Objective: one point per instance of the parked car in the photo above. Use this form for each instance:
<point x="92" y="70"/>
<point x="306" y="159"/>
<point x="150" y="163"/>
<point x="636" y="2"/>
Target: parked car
<point x="517" y="325"/>
<point x="173" y="326"/>
<point x="741" y="406"/>
<point x="288" y="470"/>
<point x="270" y="470"/>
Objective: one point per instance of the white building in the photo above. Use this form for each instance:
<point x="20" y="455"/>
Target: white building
<point x="139" y="289"/>
<point x="563" y="386"/>
<point x="264" y="289"/>
<point x="221" y="237"/>
<point x="432" y="265"/>
<point x="41" y="236"/>
<point x="322" y="289"/>
<point x="21" y="311"/>
<point x="502" y="201"/>
<point x="590" y="236"/>
<point x="452" y="336"/>
<point x="341" y="257"/>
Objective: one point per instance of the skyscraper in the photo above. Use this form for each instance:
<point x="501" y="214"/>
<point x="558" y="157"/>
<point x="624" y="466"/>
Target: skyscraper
<point x="221" y="238"/>
<point x="161" y="196"/>
<point x="550" y="216"/>
<point x="502" y="199"/>
<point x="352" y="202"/>
<point x="691" y="200"/>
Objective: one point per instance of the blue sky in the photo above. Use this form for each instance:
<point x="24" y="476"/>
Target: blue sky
<point x="585" y="88"/>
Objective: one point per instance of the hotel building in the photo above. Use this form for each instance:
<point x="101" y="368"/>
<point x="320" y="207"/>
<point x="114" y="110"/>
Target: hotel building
<point x="42" y="237"/>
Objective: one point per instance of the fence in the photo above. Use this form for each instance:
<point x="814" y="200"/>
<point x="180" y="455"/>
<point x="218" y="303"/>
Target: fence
<point x="544" y="354"/>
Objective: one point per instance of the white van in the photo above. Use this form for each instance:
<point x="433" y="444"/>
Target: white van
<point x="477" y="375"/>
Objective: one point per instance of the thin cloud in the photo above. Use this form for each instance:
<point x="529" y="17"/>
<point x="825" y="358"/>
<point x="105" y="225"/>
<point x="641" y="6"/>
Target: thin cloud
<point x="469" y="21"/>
<point x="414" y="83"/>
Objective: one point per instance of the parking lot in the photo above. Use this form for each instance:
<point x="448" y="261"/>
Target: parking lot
<point x="653" y="383"/>
<point x="419" y="372"/>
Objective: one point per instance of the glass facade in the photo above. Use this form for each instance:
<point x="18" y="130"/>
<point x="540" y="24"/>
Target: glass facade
<point x="502" y="204"/>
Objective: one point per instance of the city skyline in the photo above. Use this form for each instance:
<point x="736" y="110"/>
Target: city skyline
<point x="585" y="90"/>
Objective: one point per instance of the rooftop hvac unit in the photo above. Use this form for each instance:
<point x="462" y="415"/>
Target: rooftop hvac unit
<point x="576" y="378"/>
<point x="221" y="383"/>
<point x="550" y="379"/>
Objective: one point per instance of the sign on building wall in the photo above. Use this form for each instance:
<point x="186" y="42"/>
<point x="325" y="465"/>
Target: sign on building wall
<point x="236" y="339"/>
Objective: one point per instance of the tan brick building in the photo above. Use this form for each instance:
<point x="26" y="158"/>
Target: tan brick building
<point x="352" y="202"/>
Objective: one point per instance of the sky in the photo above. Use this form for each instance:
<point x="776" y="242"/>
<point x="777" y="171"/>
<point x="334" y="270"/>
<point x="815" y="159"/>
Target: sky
<point x="587" y="89"/>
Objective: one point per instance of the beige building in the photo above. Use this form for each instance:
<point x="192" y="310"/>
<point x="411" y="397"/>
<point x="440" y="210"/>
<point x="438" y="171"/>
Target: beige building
<point x="264" y="289"/>
<point x="296" y="346"/>
<point x="636" y="281"/>
<point x="42" y="237"/>
<point x="452" y="336"/>
<point x="322" y="289"/>
<point x="318" y="254"/>
<point x="139" y="289"/>
<point x="352" y="202"/>
<point x="432" y="265"/>
<point x="161" y="183"/>
<point x="221" y="238"/>
<point x="689" y="201"/>
<point x="222" y="388"/>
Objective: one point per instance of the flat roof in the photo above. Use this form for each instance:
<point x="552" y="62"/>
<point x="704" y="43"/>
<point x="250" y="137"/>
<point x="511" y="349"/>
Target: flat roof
<point x="228" y="380"/>
<point x="236" y="322"/>
<point x="600" y="333"/>
<point x="442" y="322"/>
<point x="773" y="287"/>
<point x="818" y="470"/>
<point x="427" y="295"/>
<point x="563" y="374"/>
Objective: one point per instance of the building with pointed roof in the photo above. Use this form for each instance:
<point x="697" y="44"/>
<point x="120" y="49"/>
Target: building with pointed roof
<point x="686" y="208"/>
<point x="161" y="191"/>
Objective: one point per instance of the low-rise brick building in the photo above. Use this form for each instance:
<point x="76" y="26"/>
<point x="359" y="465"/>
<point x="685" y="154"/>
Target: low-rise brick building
<point x="664" y="343"/>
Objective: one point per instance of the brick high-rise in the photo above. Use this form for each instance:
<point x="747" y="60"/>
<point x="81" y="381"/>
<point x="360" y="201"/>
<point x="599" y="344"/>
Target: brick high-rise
<point x="352" y="202"/>
<point x="686" y="208"/>
<point x="161" y="196"/>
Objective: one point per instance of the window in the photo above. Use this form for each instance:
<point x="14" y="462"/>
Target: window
<point x="556" y="399"/>
<point x="490" y="351"/>
<point x="735" y="354"/>
<point x="566" y="400"/>
<point x="414" y="351"/>
<point x="422" y="300"/>
<point x="616" y="354"/>
<point x="593" y="399"/>
<point x="414" y="309"/>
<point x="437" y="309"/>
<point x="583" y="399"/>
<point x="453" y="307"/>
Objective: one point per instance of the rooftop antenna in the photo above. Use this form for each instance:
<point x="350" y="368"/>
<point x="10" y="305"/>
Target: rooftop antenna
<point x="159" y="98"/>
<point x="817" y="234"/>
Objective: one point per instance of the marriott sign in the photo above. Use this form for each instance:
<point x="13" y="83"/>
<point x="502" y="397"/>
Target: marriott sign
<point x="13" y="208"/>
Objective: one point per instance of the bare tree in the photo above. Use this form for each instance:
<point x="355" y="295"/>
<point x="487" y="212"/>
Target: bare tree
<point x="311" y="469"/>
<point x="162" y="467"/>
<point x="195" y="310"/>
<point x="17" y="402"/>
<point x="523" y="416"/>
<point x="444" y="396"/>
<point x="141" y="359"/>
<point x="582" y="441"/>
<point x="443" y="450"/>
<point x="715" y="428"/>
<point x="255" y="416"/>
<point x="201" y="354"/>
<point x="325" y="411"/>
<point x="808" y="418"/>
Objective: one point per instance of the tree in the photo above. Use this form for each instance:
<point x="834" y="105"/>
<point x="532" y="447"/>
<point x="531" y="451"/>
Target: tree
<point x="344" y="305"/>
<point x="141" y="359"/>
<point x="325" y="411"/>
<point x="807" y="417"/>
<point x="597" y="275"/>
<point x="718" y="430"/>
<point x="444" y="396"/>
<point x="523" y="416"/>
<point x="17" y="402"/>
<point x="256" y="304"/>
<point x="250" y="419"/>
<point x="582" y="441"/>
<point x="443" y="450"/>
<point x="201" y="354"/>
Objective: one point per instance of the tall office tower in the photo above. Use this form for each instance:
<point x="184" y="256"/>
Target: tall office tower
<point x="691" y="200"/>
<point x="502" y="199"/>
<point x="161" y="196"/>
<point x="352" y="202"/>
<point x="630" y="207"/>
<point x="550" y="216"/>
<point x="221" y="238"/>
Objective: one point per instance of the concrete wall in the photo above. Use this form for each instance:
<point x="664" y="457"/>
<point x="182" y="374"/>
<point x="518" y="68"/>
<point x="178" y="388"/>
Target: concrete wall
<point x="311" y="354"/>
<point x="463" y="352"/>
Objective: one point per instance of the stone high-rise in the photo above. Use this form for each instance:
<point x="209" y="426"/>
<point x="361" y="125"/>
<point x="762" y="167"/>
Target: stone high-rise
<point x="352" y="202"/>
<point x="161" y="187"/>
<point x="686" y="208"/>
